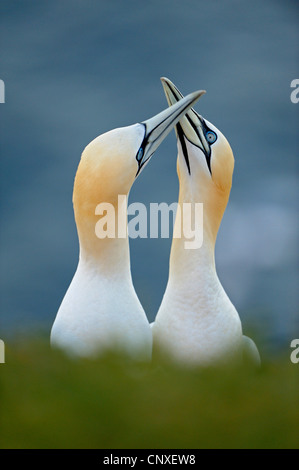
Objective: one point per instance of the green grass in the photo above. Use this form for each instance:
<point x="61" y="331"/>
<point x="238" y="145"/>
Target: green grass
<point x="50" y="401"/>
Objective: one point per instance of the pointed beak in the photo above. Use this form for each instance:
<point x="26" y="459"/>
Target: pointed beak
<point x="159" y="126"/>
<point x="191" y="125"/>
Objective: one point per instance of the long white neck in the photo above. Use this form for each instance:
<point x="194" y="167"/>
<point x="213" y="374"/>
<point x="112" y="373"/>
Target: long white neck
<point x="101" y="309"/>
<point x="109" y="257"/>
<point x="193" y="270"/>
<point x="196" y="319"/>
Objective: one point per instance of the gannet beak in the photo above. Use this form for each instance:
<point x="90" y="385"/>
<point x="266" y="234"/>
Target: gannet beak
<point x="191" y="126"/>
<point x="159" y="126"/>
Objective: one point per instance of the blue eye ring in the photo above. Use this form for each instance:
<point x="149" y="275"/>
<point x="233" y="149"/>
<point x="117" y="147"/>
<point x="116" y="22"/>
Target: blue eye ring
<point x="139" y="154"/>
<point x="211" y="137"/>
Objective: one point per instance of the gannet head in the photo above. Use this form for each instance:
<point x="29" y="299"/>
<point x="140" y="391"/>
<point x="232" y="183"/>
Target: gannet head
<point x="111" y="162"/>
<point x="205" y="160"/>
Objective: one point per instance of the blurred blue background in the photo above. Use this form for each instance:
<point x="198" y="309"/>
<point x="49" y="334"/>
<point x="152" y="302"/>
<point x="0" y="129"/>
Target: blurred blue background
<point x="75" y="69"/>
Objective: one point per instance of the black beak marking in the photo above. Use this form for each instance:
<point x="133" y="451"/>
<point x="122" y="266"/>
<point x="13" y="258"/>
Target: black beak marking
<point x="178" y="95"/>
<point x="181" y="136"/>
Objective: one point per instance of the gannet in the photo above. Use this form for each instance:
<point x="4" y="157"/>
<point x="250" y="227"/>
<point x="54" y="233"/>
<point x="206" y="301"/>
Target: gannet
<point x="100" y="309"/>
<point x="196" y="322"/>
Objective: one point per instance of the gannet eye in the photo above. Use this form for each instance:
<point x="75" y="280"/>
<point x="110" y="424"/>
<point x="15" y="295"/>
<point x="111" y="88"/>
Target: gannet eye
<point x="211" y="137"/>
<point x="139" y="154"/>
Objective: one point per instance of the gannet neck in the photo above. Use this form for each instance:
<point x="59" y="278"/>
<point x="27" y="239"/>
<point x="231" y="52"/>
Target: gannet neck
<point x="110" y="254"/>
<point x="198" y="261"/>
<point x="196" y="322"/>
<point x="193" y="271"/>
<point x="108" y="258"/>
<point x="197" y="188"/>
<point x="104" y="177"/>
<point x="213" y="192"/>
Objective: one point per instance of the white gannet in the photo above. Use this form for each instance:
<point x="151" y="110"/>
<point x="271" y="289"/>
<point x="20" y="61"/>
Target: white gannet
<point x="196" y="322"/>
<point x="100" y="309"/>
